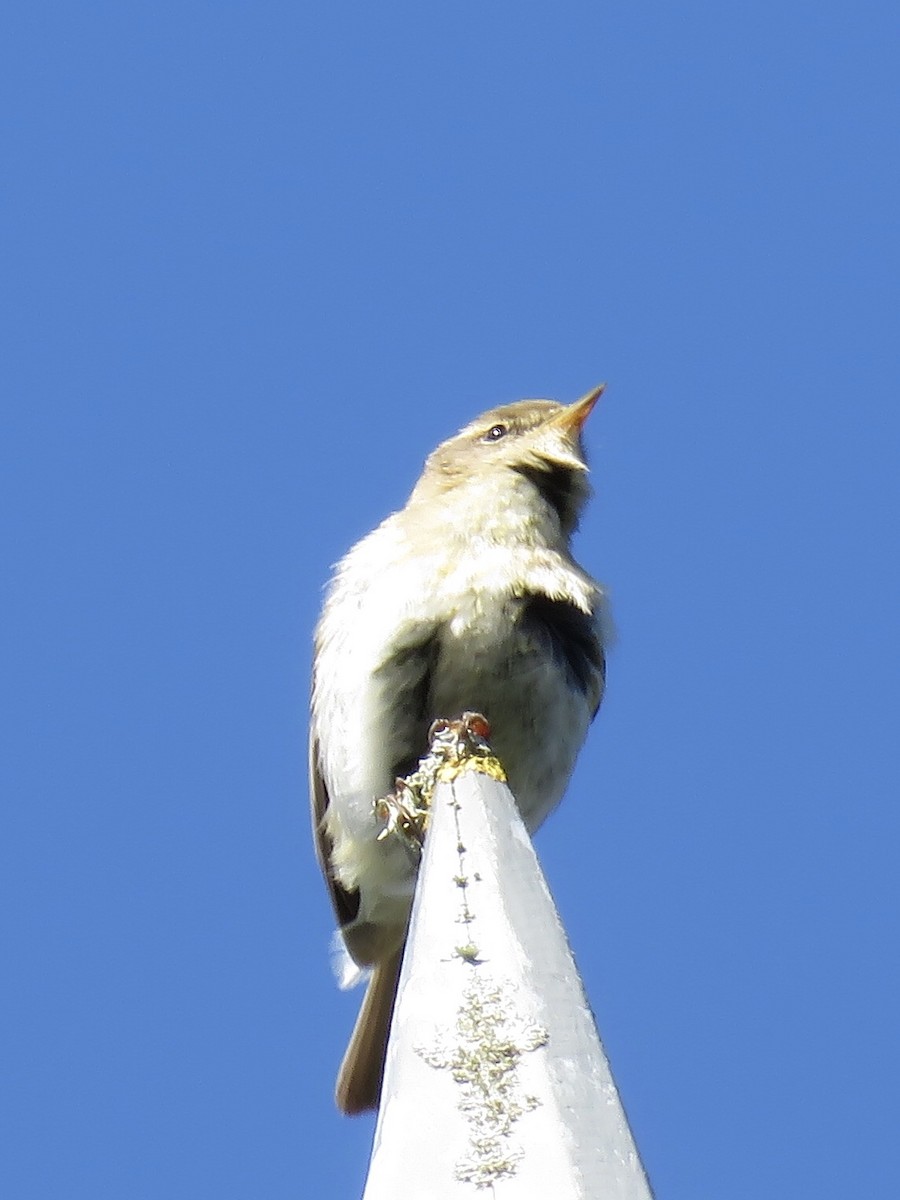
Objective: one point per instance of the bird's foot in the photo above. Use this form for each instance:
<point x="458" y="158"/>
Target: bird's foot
<point x="467" y="736"/>
<point x="404" y="813"/>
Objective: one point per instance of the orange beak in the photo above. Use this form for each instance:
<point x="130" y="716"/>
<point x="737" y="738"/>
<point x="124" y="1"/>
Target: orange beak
<point x="573" y="416"/>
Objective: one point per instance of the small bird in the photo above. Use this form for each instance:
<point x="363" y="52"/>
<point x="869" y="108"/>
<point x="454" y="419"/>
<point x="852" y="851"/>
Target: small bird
<point x="467" y="599"/>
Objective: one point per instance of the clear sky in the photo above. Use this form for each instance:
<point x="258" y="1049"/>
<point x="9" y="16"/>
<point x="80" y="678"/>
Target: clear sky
<point x="258" y="259"/>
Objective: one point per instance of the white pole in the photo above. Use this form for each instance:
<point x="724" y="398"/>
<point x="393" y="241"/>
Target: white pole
<point x="496" y="1080"/>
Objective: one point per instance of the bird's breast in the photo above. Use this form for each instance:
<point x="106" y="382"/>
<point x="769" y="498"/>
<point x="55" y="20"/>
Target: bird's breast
<point x="498" y="659"/>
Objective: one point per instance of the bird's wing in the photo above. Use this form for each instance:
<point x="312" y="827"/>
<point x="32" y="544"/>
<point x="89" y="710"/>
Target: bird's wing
<point x="403" y="684"/>
<point x="346" y="903"/>
<point x="405" y="681"/>
<point x="574" y="638"/>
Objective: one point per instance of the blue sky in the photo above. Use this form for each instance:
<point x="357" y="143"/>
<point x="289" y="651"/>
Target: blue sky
<point x="257" y="260"/>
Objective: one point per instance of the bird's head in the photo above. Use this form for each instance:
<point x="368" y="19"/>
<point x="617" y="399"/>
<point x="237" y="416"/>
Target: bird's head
<point x="532" y="443"/>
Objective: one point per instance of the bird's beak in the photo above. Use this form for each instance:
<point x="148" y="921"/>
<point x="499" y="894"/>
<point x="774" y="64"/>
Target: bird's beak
<point x="572" y="418"/>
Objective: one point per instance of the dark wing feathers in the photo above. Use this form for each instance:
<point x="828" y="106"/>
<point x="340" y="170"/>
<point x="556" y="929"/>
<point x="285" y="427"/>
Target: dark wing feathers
<point x="572" y="637"/>
<point x="409" y="673"/>
<point x="346" y="904"/>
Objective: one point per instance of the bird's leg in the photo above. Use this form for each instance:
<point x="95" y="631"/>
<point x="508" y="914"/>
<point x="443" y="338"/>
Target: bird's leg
<point x="466" y="736"/>
<point x="404" y="813"/>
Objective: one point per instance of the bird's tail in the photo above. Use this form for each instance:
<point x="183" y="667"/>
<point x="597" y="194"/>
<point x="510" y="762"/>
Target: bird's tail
<point x="359" y="1079"/>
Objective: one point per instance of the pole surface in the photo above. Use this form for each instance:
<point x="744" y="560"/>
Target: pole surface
<point x="496" y="1080"/>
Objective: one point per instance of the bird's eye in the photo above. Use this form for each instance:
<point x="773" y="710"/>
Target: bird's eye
<point x="495" y="433"/>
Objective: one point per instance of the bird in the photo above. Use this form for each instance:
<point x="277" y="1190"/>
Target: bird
<point x="466" y="599"/>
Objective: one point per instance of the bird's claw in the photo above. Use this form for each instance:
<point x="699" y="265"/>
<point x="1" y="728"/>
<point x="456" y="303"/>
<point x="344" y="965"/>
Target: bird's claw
<point x="451" y="740"/>
<point x="404" y="813"/>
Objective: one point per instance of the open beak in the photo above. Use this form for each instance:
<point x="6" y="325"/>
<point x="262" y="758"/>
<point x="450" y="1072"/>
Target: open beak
<point x="573" y="416"/>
